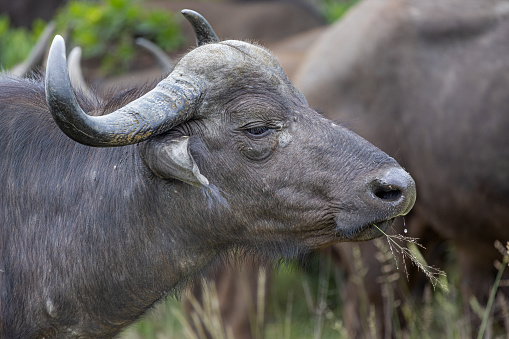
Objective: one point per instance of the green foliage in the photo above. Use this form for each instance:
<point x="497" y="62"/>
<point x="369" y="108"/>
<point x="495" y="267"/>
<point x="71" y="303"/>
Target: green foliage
<point x="107" y="30"/>
<point x="16" y="43"/>
<point x="335" y="9"/>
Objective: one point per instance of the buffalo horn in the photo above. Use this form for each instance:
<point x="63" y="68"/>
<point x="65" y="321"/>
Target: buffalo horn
<point x="170" y="103"/>
<point x="202" y="29"/>
<point x="36" y="55"/>
<point x="162" y="59"/>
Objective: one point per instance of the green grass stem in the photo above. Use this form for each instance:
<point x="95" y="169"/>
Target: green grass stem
<point x="493" y="292"/>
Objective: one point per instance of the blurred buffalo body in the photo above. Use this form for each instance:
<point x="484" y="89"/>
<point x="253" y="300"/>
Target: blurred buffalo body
<point x="428" y="82"/>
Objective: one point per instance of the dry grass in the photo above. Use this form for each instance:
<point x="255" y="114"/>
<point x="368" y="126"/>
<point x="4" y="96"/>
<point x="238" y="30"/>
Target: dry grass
<point x="412" y="253"/>
<point x="308" y="305"/>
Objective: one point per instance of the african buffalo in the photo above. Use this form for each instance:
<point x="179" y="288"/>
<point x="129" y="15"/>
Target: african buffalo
<point x="428" y="81"/>
<point x="148" y="191"/>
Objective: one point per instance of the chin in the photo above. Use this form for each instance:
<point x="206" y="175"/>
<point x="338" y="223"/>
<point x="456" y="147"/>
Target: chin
<point x="369" y="231"/>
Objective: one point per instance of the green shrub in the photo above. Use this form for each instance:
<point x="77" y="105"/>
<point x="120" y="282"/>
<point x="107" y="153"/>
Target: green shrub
<point x="16" y="43"/>
<point x="107" y="30"/>
<point x="335" y="9"/>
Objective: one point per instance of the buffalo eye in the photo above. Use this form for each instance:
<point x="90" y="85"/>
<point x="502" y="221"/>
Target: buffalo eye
<point x="259" y="131"/>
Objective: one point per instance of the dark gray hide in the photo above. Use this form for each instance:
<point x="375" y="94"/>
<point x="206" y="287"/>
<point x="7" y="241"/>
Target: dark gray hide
<point x="428" y="81"/>
<point x="91" y="237"/>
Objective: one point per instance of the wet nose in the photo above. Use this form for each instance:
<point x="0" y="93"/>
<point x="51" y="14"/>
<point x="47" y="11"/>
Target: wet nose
<point x="393" y="189"/>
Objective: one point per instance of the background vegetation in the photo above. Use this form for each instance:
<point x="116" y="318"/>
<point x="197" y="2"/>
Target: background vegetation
<point x="107" y="29"/>
<point x="22" y="38"/>
<point x="104" y="30"/>
<point x="304" y="304"/>
<point x="335" y="9"/>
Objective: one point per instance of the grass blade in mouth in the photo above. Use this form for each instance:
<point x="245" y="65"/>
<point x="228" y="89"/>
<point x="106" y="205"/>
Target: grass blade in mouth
<point x="414" y="255"/>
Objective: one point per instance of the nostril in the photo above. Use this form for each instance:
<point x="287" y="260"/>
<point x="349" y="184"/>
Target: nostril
<point x="392" y="190"/>
<point x="387" y="192"/>
<point x="392" y="185"/>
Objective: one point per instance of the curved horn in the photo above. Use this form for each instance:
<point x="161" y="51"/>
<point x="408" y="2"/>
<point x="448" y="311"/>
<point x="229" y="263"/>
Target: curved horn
<point x="75" y="72"/>
<point x="202" y="29"/>
<point x="162" y="59"/>
<point x="168" y="104"/>
<point x="36" y="54"/>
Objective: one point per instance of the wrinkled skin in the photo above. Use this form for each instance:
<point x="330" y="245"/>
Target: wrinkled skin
<point x="427" y="82"/>
<point x="286" y="121"/>
<point x="92" y="237"/>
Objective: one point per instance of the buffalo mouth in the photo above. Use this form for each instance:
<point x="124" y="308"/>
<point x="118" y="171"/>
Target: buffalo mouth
<point x="371" y="230"/>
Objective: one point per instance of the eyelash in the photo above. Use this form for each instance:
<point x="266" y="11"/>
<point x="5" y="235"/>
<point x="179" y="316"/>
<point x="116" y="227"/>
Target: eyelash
<point x="259" y="131"/>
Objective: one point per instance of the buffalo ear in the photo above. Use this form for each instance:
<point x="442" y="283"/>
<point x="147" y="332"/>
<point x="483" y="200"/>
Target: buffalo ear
<point x="172" y="159"/>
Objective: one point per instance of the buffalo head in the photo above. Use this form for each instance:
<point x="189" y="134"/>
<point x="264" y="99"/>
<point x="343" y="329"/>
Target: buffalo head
<point x="227" y="119"/>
